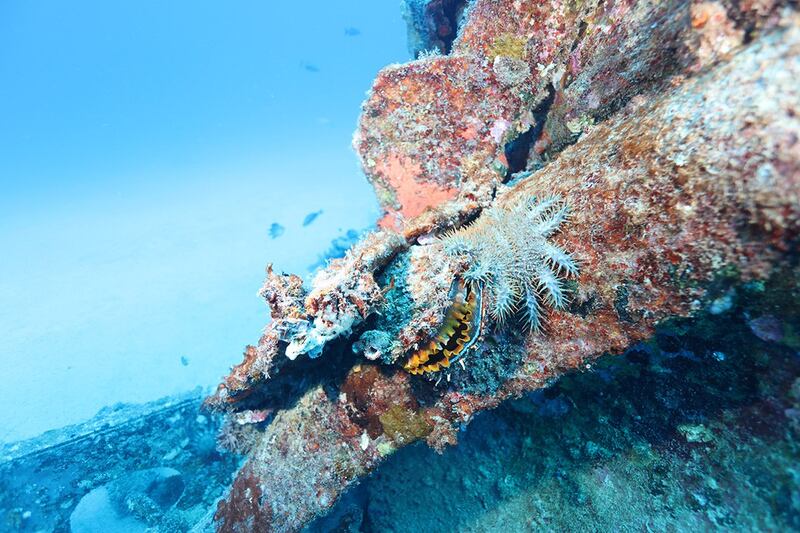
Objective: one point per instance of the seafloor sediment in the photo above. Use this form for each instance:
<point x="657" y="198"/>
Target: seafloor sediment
<point x="129" y="468"/>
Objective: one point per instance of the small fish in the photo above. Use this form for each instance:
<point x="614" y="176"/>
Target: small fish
<point x="310" y="67"/>
<point x="311" y="217"/>
<point x="337" y="249"/>
<point x="276" y="230"/>
<point x="352" y="32"/>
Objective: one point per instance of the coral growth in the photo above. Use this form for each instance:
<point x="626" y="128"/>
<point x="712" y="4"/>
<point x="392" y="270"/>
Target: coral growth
<point x="343" y="295"/>
<point x="240" y="431"/>
<point x="403" y="425"/>
<point x="445" y="121"/>
<point x="675" y="198"/>
<point x="510" y="255"/>
<point x="372" y="344"/>
<point x="687" y="442"/>
<point x="508" y="45"/>
<point x="245" y="512"/>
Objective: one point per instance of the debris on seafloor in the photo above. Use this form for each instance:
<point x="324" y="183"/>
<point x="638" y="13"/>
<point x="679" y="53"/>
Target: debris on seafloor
<point x="146" y="467"/>
<point x="676" y="149"/>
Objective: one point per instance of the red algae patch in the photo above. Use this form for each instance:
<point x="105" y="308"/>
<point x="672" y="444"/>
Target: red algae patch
<point x="412" y="196"/>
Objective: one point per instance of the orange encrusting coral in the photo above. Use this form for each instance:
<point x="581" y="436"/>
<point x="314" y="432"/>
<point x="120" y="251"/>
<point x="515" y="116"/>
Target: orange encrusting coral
<point x="412" y="196"/>
<point x="460" y="329"/>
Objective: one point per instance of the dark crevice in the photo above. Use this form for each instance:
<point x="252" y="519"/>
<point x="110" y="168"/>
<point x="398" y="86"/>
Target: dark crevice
<point x="581" y="31"/>
<point x="517" y="150"/>
<point x="290" y="380"/>
<point x="446" y="21"/>
<point x="433" y="24"/>
<point x="744" y="19"/>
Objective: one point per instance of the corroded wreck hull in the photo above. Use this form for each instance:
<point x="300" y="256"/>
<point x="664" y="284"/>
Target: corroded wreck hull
<point x="688" y="191"/>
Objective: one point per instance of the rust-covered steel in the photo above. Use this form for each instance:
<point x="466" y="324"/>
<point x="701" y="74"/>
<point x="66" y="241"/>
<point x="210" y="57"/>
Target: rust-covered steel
<point x="681" y="194"/>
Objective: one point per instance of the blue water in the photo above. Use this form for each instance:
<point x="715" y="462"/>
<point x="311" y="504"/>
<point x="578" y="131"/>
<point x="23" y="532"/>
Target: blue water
<point x="146" y="151"/>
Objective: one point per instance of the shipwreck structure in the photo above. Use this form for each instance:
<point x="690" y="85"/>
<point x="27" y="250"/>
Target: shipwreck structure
<point x="671" y="131"/>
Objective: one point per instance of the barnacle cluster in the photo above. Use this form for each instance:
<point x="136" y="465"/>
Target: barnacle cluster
<point x="511" y="257"/>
